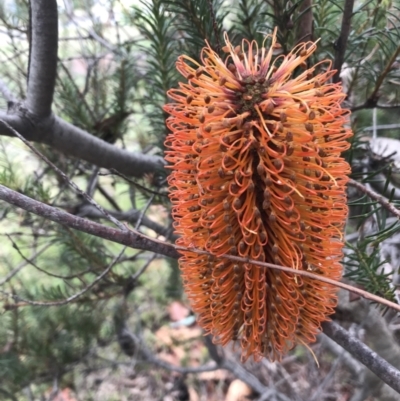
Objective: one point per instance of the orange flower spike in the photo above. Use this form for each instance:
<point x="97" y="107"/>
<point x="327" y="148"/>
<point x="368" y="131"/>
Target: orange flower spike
<point x="256" y="172"/>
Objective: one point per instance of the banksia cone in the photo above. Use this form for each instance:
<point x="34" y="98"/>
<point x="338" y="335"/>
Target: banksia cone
<point x="255" y="150"/>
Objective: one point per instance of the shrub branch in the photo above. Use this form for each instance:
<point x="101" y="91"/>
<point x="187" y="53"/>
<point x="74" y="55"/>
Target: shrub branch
<point x="139" y="241"/>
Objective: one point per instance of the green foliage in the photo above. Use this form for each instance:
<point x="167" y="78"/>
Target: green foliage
<point x="250" y="20"/>
<point x="364" y="264"/>
<point x="156" y="26"/>
<point x="372" y="44"/>
<point x="41" y="342"/>
<point x="11" y="176"/>
<point x="197" y="21"/>
<point x="326" y="26"/>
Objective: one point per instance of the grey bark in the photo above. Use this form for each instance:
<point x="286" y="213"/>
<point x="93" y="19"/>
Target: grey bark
<point x="382" y="358"/>
<point x="129" y="238"/>
<point x="75" y="142"/>
<point x="42" y="57"/>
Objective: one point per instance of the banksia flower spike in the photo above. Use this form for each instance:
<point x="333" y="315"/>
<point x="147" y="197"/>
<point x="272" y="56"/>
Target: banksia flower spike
<point x="255" y="150"/>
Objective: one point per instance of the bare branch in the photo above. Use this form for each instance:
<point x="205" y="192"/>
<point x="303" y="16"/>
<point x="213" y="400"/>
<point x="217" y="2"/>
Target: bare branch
<point x="131" y="216"/>
<point x="129" y="238"/>
<point x="143" y="212"/>
<point x="341" y="43"/>
<point x="75" y="142"/>
<point x="135" y="276"/>
<point x="318" y="393"/>
<point x="43" y="57"/>
<point x="240" y="372"/>
<point x="381" y="127"/>
<point x="375" y="196"/>
<point x="374" y="95"/>
<point x="67" y="180"/>
<point x="351" y="363"/>
<point x="136" y="184"/>
<point x="383" y="369"/>
<point x="138" y="240"/>
<point x="109" y="198"/>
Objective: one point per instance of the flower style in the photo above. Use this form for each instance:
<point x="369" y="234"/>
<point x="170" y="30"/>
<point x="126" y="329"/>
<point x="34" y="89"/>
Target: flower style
<point x="255" y="150"/>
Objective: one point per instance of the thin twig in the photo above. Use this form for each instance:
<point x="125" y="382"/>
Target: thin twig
<point x="72" y="297"/>
<point x="143" y="212"/>
<point x="130" y="283"/>
<point x="66" y="179"/>
<point x="318" y="394"/>
<point x="131" y="216"/>
<point x="30" y="262"/>
<point x="130" y="238"/>
<point x="218" y="355"/>
<point x="107" y="196"/>
<point x="382" y="76"/>
<point x="288" y="380"/>
<point x="135" y="276"/>
<point x="377" y="197"/>
<point x="220" y="363"/>
<point x="54" y="391"/>
<point x="24" y="263"/>
<point x="303" y="273"/>
<point x="138" y="240"/>
<point x="91" y="34"/>
<point x="77" y="91"/>
<point x="149" y="190"/>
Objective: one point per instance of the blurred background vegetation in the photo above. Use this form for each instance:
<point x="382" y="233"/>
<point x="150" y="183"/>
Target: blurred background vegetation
<point x="116" y="62"/>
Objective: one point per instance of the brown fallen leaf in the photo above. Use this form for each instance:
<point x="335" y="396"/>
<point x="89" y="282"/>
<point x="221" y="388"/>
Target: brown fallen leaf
<point x="238" y="391"/>
<point x="172" y="336"/>
<point x="217" y="375"/>
<point x="64" y="395"/>
<point x="177" y="311"/>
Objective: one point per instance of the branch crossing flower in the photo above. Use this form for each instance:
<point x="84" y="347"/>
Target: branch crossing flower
<point x="255" y="151"/>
